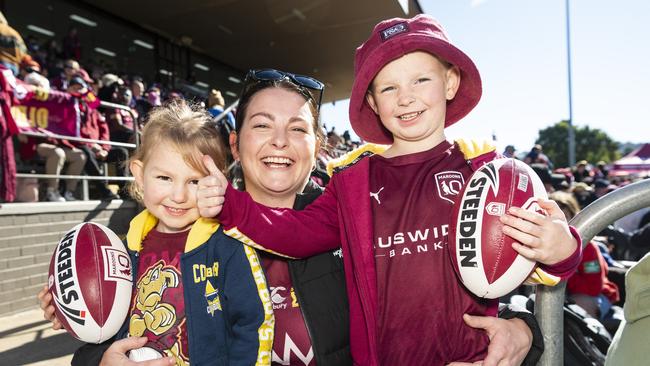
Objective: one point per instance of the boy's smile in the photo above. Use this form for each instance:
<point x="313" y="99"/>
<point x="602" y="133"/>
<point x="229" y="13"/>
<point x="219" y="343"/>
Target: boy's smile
<point x="410" y="96"/>
<point x="407" y="117"/>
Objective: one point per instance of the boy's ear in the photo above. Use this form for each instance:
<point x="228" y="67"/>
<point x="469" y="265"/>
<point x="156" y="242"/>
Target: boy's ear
<point x="371" y="101"/>
<point x="453" y="82"/>
<point x="234" y="146"/>
<point x="137" y="169"/>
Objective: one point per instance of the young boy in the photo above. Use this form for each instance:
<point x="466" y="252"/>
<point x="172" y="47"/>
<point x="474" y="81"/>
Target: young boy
<point x="389" y="211"/>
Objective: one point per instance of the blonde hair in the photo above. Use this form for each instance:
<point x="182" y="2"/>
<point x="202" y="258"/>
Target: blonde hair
<point x="186" y="128"/>
<point x="566" y="201"/>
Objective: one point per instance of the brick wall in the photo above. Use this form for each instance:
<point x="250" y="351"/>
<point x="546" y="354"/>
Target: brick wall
<point x="30" y="231"/>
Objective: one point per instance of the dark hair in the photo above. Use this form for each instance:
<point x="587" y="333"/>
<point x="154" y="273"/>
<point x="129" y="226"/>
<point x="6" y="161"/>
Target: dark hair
<point x="253" y="89"/>
<point x="235" y="173"/>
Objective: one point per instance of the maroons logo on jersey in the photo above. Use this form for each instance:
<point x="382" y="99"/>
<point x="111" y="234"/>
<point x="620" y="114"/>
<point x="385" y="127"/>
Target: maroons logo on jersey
<point x="449" y="184"/>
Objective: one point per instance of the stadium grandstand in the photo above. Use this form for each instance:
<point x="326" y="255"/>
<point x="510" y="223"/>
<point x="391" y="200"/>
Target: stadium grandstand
<point x="81" y="76"/>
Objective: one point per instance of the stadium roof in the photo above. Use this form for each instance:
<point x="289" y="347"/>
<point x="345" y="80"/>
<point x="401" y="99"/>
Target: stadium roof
<point x="316" y="38"/>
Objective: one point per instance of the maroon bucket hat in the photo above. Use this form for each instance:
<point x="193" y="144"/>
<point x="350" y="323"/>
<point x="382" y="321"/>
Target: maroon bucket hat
<point x="392" y="39"/>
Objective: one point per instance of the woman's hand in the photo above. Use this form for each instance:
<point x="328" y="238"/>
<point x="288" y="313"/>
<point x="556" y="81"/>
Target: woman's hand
<point x="211" y="192"/>
<point x="115" y="355"/>
<point x="45" y="302"/>
<point x="510" y="340"/>
<point x="542" y="238"/>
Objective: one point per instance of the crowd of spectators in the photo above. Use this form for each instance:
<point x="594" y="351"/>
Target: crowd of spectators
<point x="102" y="124"/>
<point x="51" y="65"/>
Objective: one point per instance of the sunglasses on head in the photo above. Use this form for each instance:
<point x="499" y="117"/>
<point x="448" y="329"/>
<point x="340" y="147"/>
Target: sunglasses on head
<point x="298" y="80"/>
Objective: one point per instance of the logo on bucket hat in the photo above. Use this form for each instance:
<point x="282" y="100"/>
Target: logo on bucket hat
<point x="396" y="29"/>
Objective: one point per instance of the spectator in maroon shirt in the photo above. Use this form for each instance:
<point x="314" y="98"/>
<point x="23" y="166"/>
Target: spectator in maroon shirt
<point x="72" y="44"/>
<point x="70" y="70"/>
<point x="93" y="126"/>
<point x="123" y="125"/>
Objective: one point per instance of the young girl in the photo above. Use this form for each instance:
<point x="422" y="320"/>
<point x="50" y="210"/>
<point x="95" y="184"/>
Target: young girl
<point x="199" y="295"/>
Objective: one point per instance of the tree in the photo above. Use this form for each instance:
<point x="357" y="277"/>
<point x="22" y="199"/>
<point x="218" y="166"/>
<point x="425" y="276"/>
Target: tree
<point x="591" y="144"/>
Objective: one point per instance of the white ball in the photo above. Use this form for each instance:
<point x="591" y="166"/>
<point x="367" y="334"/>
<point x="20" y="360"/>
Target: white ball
<point x="144" y="354"/>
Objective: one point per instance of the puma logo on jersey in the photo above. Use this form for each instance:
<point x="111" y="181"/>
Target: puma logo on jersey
<point x="376" y="195"/>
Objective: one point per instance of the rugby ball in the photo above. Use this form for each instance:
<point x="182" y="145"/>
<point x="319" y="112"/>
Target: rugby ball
<point x="481" y="253"/>
<point x="91" y="281"/>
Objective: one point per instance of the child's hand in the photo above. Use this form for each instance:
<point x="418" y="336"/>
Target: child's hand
<point x="212" y="190"/>
<point x="115" y="355"/>
<point x="45" y="302"/>
<point x="545" y="238"/>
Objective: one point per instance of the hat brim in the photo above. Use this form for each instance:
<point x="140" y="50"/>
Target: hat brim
<point x="364" y="120"/>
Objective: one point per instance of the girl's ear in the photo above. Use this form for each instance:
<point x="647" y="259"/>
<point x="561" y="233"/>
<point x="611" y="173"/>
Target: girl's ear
<point x="453" y="82"/>
<point x="137" y="169"/>
<point x="371" y="101"/>
<point x="234" y="145"/>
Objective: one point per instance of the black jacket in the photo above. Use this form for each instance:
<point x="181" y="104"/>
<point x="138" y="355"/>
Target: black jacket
<point x="319" y="284"/>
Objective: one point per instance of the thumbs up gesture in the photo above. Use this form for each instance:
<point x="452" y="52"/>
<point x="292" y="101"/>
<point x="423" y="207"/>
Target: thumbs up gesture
<point x="212" y="190"/>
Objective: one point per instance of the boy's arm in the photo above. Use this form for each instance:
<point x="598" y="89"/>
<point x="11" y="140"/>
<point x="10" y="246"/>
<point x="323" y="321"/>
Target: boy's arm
<point x="545" y="238"/>
<point x="567" y="267"/>
<point x="311" y="231"/>
<point x="248" y="309"/>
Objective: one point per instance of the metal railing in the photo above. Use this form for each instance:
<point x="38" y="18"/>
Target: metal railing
<point x="225" y="112"/>
<point x="85" y="178"/>
<point x="549" y="301"/>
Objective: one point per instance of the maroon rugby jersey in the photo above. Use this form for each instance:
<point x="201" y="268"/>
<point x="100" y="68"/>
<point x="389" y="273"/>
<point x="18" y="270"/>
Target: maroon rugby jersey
<point x="291" y="342"/>
<point x="421" y="301"/>
<point x="159" y="294"/>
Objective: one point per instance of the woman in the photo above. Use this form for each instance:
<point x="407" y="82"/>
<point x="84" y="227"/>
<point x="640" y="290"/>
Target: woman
<point x="275" y="143"/>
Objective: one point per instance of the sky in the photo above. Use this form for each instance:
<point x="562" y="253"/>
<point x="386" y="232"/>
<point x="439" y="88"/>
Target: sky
<point x="520" y="49"/>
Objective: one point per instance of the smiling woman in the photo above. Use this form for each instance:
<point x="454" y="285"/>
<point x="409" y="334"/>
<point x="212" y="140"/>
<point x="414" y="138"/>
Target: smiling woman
<point x="275" y="143"/>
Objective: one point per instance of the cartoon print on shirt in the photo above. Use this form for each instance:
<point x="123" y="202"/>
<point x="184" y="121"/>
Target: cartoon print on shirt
<point x="156" y="316"/>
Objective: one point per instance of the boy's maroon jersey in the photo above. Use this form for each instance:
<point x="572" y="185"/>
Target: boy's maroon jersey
<point x="421" y="301"/>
